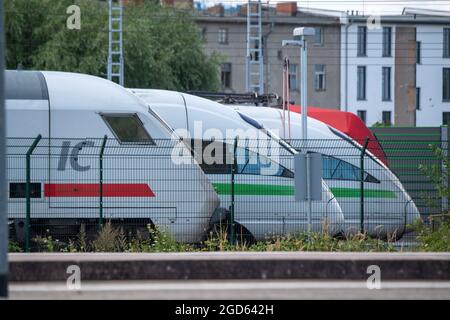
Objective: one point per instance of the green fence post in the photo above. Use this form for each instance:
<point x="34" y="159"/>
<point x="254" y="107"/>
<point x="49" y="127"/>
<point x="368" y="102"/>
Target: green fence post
<point x="233" y="172"/>
<point x="28" y="192"/>
<point x="100" y="219"/>
<point x="361" y="191"/>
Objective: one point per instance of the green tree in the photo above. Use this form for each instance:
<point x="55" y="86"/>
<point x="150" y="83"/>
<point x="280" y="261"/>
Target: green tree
<point x="162" y="47"/>
<point x="22" y="22"/>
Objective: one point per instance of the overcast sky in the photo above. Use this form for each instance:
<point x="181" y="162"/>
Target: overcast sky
<point x="368" y="6"/>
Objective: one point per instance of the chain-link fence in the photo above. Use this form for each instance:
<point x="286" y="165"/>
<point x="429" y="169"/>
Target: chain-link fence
<point x="62" y="187"/>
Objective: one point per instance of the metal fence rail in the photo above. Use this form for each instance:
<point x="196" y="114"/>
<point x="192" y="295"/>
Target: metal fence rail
<point x="61" y="188"/>
<point x="406" y="149"/>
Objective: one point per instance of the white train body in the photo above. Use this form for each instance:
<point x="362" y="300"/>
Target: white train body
<point x="73" y="112"/>
<point x="388" y="209"/>
<point x="264" y="202"/>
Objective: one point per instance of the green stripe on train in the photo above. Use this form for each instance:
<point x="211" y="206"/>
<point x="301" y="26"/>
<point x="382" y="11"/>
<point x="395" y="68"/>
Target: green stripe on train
<point x="247" y="189"/>
<point x="356" y="193"/>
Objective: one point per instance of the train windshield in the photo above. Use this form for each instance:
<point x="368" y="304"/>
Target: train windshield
<point x="355" y="144"/>
<point x="337" y="169"/>
<point x="216" y="157"/>
<point x="127" y="128"/>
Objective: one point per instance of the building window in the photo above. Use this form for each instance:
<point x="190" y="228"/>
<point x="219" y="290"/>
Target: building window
<point x="387" y="41"/>
<point x="362" y="41"/>
<point x="386" y="118"/>
<point x="446" y="118"/>
<point x="223" y="36"/>
<point x="417" y="98"/>
<point x="386" y="84"/>
<point x="446" y="43"/>
<point x="362" y="114"/>
<point x="226" y="75"/>
<point x="319" y="77"/>
<point x="293" y="77"/>
<point x="361" y="85"/>
<point x="318" y="36"/>
<point x="446" y="84"/>
<point x="418" y="52"/>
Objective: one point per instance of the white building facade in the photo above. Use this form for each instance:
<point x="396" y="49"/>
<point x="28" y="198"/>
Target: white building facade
<point x="432" y="66"/>
<point x="395" y="70"/>
<point x="362" y="72"/>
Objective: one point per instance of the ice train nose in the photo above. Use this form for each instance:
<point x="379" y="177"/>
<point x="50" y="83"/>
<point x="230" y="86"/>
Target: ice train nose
<point x="412" y="214"/>
<point x="334" y="214"/>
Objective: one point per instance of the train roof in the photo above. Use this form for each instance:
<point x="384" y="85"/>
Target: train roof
<point x="212" y="114"/>
<point x="348" y="123"/>
<point x="272" y="117"/>
<point x="66" y="90"/>
<point x="317" y="130"/>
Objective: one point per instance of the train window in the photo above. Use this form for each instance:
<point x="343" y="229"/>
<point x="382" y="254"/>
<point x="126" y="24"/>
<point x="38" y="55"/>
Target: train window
<point x="329" y="165"/>
<point x="211" y="156"/>
<point x="18" y="190"/>
<point x="249" y="162"/>
<point x="336" y="169"/>
<point x="369" y="178"/>
<point x="127" y="128"/>
<point x="344" y="137"/>
<point x="216" y="158"/>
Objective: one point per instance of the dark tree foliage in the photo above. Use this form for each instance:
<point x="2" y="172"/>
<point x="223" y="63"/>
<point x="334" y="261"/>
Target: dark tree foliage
<point x="162" y="47"/>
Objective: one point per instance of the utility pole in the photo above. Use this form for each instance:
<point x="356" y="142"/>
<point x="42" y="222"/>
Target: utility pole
<point x="300" y="41"/>
<point x="254" y="71"/>
<point x="3" y="203"/>
<point x="115" y="45"/>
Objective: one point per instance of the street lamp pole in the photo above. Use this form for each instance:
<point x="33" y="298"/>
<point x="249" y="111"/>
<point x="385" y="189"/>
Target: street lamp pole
<point x="300" y="41"/>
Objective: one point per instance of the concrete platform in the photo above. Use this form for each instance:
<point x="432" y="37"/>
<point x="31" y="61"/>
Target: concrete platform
<point x="228" y="266"/>
<point x="232" y="290"/>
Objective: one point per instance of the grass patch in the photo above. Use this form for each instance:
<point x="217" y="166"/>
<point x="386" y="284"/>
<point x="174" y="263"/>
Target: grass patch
<point x="431" y="237"/>
<point x="435" y="235"/>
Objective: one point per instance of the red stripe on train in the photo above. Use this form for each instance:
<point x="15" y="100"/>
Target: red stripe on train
<point x="93" y="190"/>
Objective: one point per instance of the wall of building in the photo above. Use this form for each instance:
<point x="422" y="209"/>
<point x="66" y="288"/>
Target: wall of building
<point x="235" y="52"/>
<point x="341" y="73"/>
<point x="374" y="61"/>
<point x="429" y="75"/>
<point x="405" y="76"/>
<point x="327" y="53"/>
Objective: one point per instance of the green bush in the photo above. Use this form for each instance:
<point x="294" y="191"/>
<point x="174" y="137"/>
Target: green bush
<point x="435" y="236"/>
<point x="109" y="239"/>
<point x="14" y="246"/>
<point x="162" y="241"/>
<point x="438" y="173"/>
<point x="46" y="243"/>
<point x="302" y="242"/>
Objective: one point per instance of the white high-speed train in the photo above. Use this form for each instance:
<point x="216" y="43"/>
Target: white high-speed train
<point x="264" y="184"/>
<point x="388" y="209"/>
<point x="141" y="180"/>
